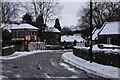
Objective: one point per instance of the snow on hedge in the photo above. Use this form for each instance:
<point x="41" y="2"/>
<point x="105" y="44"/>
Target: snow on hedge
<point x="94" y="68"/>
<point x="96" y="48"/>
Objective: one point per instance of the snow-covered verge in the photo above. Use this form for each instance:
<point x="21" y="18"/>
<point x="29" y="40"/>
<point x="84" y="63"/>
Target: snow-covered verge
<point x="20" y="54"/>
<point x="96" y="48"/>
<point x="94" y="68"/>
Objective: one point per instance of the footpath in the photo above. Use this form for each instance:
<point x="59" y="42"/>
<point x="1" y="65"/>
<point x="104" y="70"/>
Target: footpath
<point x="93" y="68"/>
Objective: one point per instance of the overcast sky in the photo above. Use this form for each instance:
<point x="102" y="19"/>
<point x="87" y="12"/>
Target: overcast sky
<point x="69" y="13"/>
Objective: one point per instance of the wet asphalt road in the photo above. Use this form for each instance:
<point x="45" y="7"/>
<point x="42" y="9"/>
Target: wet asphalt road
<point x="46" y="65"/>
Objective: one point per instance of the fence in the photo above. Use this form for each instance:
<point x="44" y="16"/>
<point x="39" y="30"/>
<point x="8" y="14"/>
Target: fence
<point x="36" y="46"/>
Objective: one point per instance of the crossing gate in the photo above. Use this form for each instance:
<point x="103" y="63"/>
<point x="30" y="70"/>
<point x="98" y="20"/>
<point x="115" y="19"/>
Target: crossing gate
<point x="36" y="46"/>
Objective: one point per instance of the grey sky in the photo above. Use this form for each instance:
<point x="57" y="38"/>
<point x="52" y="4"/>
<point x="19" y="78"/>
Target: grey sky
<point x="69" y="13"/>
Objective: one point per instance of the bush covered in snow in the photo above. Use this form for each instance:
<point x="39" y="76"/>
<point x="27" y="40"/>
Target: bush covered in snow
<point x="106" y="57"/>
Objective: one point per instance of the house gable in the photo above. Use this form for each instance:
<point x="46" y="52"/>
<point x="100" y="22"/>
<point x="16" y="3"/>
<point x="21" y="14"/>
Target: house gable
<point x="110" y="33"/>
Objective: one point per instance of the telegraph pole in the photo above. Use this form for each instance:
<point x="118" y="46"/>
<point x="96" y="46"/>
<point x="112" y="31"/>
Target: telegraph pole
<point x="91" y="31"/>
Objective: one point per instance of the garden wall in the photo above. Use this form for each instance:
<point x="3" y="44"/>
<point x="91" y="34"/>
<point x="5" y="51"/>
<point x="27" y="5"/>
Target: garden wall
<point x="102" y="57"/>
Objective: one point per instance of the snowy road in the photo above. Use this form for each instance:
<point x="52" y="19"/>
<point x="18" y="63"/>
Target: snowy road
<point x="44" y="65"/>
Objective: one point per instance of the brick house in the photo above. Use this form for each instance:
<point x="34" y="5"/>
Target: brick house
<point x="110" y="33"/>
<point x="23" y="33"/>
<point x="52" y="36"/>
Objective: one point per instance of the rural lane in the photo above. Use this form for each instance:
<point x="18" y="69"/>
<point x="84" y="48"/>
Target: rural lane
<point x="45" y="65"/>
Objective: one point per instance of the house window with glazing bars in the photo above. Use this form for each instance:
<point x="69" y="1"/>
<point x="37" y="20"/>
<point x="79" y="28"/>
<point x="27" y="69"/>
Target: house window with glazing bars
<point x="108" y="40"/>
<point x="18" y="34"/>
<point x="32" y="33"/>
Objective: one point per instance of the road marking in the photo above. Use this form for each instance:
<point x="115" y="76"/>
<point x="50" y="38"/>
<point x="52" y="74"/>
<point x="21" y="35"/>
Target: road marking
<point x="37" y="60"/>
<point x="46" y="75"/>
<point x="39" y="66"/>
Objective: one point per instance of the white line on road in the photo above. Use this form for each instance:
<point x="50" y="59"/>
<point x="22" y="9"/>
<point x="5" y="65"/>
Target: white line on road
<point x="39" y="67"/>
<point x="46" y="75"/>
<point x="37" y="60"/>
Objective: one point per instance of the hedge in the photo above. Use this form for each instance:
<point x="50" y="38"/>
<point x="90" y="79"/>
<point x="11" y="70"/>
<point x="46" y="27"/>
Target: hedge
<point x="101" y="57"/>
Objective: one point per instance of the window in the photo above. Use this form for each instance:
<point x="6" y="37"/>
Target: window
<point x="21" y="34"/>
<point x="35" y="33"/>
<point x="18" y="34"/>
<point x="13" y="34"/>
<point x="27" y="32"/>
<point x="32" y="32"/>
<point x="108" y="40"/>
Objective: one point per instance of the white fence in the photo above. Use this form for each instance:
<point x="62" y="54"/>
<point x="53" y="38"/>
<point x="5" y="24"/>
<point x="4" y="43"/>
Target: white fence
<point x="36" y="46"/>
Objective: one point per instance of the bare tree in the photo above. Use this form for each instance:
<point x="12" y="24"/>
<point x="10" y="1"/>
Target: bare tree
<point x="102" y="11"/>
<point x="9" y="11"/>
<point x="49" y="10"/>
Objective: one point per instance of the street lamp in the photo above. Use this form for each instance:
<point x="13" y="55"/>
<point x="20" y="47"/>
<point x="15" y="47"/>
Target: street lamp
<point x="90" y="31"/>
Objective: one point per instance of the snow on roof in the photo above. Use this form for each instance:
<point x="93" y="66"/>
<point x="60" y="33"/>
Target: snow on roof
<point x="111" y="28"/>
<point x="71" y="38"/>
<point x="52" y="29"/>
<point x="95" y="34"/>
<point x="6" y="26"/>
<point x="23" y="26"/>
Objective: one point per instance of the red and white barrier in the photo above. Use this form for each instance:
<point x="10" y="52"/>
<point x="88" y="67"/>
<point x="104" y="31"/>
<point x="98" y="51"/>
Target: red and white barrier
<point x="36" y="46"/>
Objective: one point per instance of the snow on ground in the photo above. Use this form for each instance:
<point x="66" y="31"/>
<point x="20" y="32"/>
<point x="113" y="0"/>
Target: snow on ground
<point x="96" y="48"/>
<point x="71" y="38"/>
<point x="20" y="54"/>
<point x="1" y="77"/>
<point x="25" y="53"/>
<point x="8" y="47"/>
<point x="109" y="45"/>
<point x="94" y="68"/>
<point x="66" y="77"/>
<point x="68" y="67"/>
